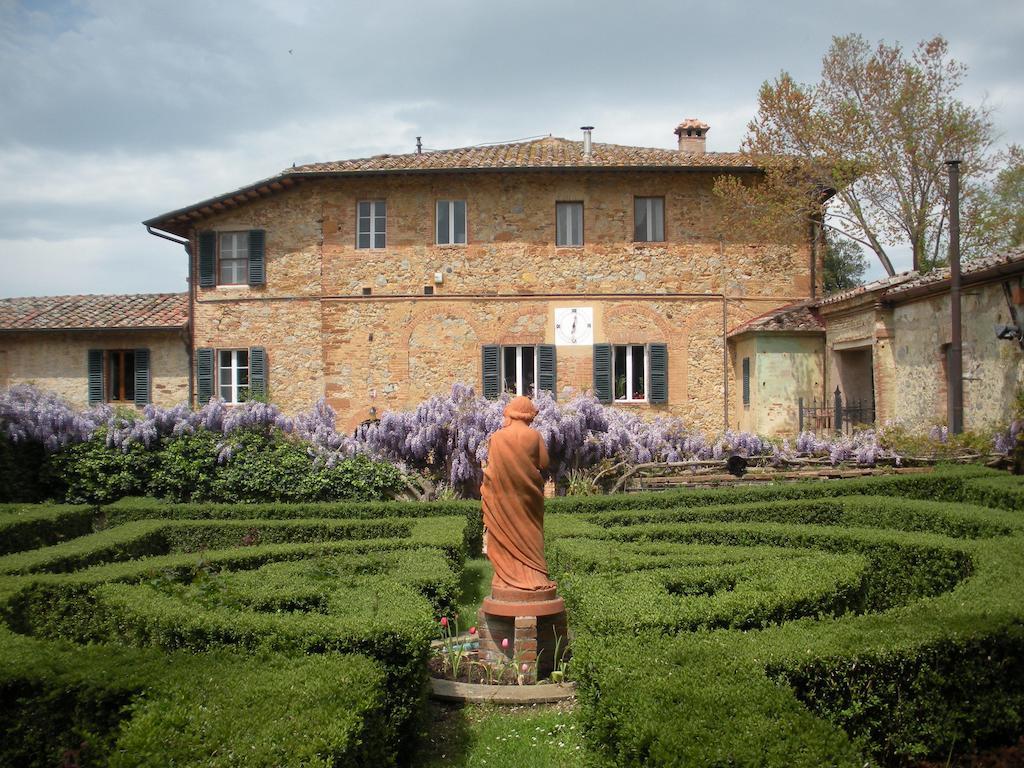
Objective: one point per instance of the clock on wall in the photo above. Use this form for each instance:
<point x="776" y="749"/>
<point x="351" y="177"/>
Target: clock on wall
<point x="574" y="325"/>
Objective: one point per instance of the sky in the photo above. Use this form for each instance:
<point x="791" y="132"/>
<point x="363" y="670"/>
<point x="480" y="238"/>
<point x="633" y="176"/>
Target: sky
<point x="115" y="111"/>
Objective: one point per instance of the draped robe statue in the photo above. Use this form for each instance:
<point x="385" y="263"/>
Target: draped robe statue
<point x="513" y="501"/>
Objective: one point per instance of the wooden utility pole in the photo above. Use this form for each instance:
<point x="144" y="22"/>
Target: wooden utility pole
<point x="955" y="365"/>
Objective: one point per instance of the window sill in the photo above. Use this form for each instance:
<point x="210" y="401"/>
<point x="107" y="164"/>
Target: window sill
<point x="631" y="402"/>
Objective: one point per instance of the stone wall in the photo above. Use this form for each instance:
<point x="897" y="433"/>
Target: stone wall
<point x="57" y="361"/>
<point x="393" y="354"/>
<point x="788" y="368"/>
<point x="744" y="417"/>
<point x="993" y="369"/>
<point x="288" y="329"/>
<point x="394" y="346"/>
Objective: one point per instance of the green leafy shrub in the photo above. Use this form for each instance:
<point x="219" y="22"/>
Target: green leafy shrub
<point x="185" y="467"/>
<point x="25" y="473"/>
<point x="96" y="473"/>
<point x="26" y="526"/>
<point x="923" y="658"/>
<point x="108" y="705"/>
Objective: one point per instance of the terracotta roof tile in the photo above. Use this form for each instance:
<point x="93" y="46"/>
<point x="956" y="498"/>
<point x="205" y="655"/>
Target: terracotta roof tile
<point x="541" y="153"/>
<point x="144" y="310"/>
<point x="876" y="285"/>
<point x="800" y="316"/>
<point x="967" y="269"/>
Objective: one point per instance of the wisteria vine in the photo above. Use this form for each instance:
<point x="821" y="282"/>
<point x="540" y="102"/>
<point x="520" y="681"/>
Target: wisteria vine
<point x="445" y="436"/>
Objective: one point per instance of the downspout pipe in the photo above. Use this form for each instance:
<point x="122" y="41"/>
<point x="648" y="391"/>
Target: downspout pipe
<point x="189" y="332"/>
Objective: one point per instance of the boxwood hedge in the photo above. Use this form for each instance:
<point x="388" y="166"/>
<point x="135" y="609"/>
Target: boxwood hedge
<point x="365" y="593"/>
<point x="786" y="629"/>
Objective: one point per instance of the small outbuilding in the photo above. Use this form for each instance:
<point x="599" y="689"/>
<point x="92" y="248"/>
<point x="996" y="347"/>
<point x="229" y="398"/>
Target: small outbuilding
<point x="127" y="349"/>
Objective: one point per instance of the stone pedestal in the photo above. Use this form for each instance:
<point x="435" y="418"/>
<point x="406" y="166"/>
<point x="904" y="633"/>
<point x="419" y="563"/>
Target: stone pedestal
<point x="532" y="622"/>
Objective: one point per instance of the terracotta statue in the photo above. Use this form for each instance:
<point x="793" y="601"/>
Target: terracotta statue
<point x="513" y="501"/>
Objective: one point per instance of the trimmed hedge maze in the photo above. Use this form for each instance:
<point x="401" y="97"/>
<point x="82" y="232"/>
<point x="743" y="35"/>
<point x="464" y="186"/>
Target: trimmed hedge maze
<point x="840" y="623"/>
<point x="223" y="640"/>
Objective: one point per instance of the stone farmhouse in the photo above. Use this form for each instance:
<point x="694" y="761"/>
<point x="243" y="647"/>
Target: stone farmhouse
<point x="547" y="264"/>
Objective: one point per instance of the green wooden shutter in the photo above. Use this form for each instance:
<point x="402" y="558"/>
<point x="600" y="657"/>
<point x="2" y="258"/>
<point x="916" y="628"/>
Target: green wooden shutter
<point x="95" y="368"/>
<point x="257" y="261"/>
<point x="603" y="373"/>
<point x="207" y="259"/>
<point x="746" y="381"/>
<point x="142" y="377"/>
<point x="491" y="367"/>
<point x="258" y="372"/>
<point x="657" y="391"/>
<point x="204" y="375"/>
<point x="546" y="359"/>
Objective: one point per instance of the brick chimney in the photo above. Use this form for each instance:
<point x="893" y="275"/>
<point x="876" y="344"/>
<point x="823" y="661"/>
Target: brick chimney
<point x="692" y="133"/>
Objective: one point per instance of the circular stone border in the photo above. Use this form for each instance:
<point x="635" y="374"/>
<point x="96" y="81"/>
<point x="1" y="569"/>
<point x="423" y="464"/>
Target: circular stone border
<point x="542" y="693"/>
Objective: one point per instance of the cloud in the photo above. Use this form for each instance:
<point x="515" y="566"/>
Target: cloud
<point x="115" y="111"/>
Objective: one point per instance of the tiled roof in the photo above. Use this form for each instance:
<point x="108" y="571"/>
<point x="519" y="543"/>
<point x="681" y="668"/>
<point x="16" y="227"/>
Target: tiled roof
<point x="798" y="316"/>
<point x="903" y="283"/>
<point x="967" y="269"/>
<point x="143" y="310"/>
<point x="872" y="287"/>
<point x="541" y="153"/>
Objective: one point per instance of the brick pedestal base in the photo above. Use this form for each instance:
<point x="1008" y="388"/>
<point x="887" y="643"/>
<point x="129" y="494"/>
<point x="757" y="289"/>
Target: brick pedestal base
<point x="531" y="637"/>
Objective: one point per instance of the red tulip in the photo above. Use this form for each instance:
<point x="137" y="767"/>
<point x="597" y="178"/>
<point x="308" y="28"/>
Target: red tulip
<point x="504" y="643"/>
<point x="444" y="621"/>
<point x="472" y="630"/>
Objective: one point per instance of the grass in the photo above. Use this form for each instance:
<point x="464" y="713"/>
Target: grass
<point x="538" y="735"/>
<point x="474" y="587"/>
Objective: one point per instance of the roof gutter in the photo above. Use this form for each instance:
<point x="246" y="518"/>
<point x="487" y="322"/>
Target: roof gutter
<point x="190" y="324"/>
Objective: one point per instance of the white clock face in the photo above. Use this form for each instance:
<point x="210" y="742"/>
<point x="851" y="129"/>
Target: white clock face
<point x="574" y="325"/>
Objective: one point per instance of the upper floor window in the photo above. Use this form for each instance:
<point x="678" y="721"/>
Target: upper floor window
<point x="233" y="258"/>
<point x="649" y="219"/>
<point x="630" y="373"/>
<point x="451" y="222"/>
<point x="568" y="224"/>
<point x="233" y="375"/>
<point x="372" y="228"/>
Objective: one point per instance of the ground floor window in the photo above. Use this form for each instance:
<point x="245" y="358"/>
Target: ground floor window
<point x="519" y="370"/>
<point x="630" y="373"/>
<point x="233" y="375"/>
<point x="120" y="376"/>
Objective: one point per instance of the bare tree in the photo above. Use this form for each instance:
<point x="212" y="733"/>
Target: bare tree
<point x="875" y="132"/>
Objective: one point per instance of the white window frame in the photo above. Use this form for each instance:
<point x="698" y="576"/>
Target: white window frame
<point x="234" y="367"/>
<point x="520" y="349"/>
<point x="372" y="231"/>
<point x="570" y="234"/>
<point x="630" y="362"/>
<point x="233" y="249"/>
<point x="649" y="234"/>
<point x="451" y="222"/>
